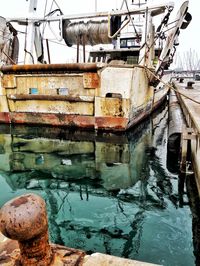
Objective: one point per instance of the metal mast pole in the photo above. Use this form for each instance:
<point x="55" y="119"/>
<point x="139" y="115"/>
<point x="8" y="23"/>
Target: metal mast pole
<point x="95" y="5"/>
<point x="29" y="42"/>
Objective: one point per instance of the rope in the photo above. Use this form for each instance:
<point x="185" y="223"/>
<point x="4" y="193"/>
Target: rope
<point x="171" y="86"/>
<point x="13" y="62"/>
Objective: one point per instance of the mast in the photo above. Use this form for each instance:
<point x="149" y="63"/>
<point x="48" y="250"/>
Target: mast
<point x="95" y="5"/>
<point x="31" y="30"/>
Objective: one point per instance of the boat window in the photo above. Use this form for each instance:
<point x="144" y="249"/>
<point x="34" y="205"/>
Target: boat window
<point x="128" y="43"/>
<point x="123" y="44"/>
<point x="132" y="59"/>
<point x="128" y="55"/>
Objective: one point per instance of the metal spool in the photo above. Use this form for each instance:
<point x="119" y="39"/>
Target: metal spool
<point x="86" y="33"/>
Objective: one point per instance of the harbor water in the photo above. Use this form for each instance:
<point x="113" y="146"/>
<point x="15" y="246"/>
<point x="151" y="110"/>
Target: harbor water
<point x="108" y="193"/>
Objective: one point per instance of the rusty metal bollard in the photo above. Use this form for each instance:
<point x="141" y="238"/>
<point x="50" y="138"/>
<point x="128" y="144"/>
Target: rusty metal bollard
<point x="24" y="219"/>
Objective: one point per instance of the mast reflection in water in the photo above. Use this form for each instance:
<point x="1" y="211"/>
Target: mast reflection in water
<point x="104" y="192"/>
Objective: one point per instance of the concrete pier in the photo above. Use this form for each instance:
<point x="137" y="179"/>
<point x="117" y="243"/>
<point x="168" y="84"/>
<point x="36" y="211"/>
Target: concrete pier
<point x="188" y="94"/>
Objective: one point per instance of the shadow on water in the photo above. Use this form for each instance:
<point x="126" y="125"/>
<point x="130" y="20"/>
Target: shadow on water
<point x="105" y="192"/>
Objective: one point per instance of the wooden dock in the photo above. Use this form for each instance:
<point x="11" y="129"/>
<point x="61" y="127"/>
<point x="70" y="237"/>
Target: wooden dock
<point x="189" y="98"/>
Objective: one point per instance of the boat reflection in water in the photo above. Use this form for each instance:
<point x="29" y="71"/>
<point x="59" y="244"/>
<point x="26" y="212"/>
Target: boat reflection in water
<point x="104" y="192"/>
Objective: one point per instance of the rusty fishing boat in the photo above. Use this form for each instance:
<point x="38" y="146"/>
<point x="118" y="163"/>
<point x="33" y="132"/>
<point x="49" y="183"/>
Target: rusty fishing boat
<point x="113" y="87"/>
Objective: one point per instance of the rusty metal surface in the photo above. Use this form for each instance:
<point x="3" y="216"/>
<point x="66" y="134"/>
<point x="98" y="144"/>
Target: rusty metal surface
<point x="45" y="68"/>
<point x="9" y="252"/>
<point x="68" y="121"/>
<point x="17" y="221"/>
<point x="76" y="121"/>
<point x="62" y="256"/>
<point x="91" y="80"/>
<point x="5" y="117"/>
<point x="67" y="256"/>
<point x="72" y="121"/>
<point x="112" y="107"/>
<point x="111" y="123"/>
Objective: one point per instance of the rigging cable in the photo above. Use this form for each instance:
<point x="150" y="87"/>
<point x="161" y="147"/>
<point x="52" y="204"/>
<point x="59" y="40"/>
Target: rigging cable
<point x="46" y="15"/>
<point x="172" y="87"/>
<point x="137" y="35"/>
<point x="122" y="4"/>
<point x="50" y="13"/>
<point x="159" y="35"/>
<point x="44" y="25"/>
<point x="57" y="6"/>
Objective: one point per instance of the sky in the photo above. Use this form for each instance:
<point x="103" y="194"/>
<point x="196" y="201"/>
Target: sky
<point x="188" y="39"/>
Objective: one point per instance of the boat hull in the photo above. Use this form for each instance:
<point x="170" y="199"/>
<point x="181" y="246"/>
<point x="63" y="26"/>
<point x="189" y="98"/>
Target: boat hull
<point x="113" y="98"/>
<point x="75" y="121"/>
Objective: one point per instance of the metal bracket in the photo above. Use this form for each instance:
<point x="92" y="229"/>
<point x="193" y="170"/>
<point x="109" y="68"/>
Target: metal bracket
<point x="187" y="135"/>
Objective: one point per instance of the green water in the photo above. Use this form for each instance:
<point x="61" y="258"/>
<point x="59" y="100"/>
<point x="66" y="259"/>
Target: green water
<point x="104" y="193"/>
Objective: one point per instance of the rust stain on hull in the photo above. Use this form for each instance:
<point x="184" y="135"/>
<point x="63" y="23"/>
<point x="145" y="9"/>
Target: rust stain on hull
<point x="5" y="117"/>
<point x="54" y="119"/>
<point x="111" y="123"/>
<point x="72" y="121"/>
<point x="76" y="67"/>
<point x="76" y="121"/>
<point x="91" y="80"/>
